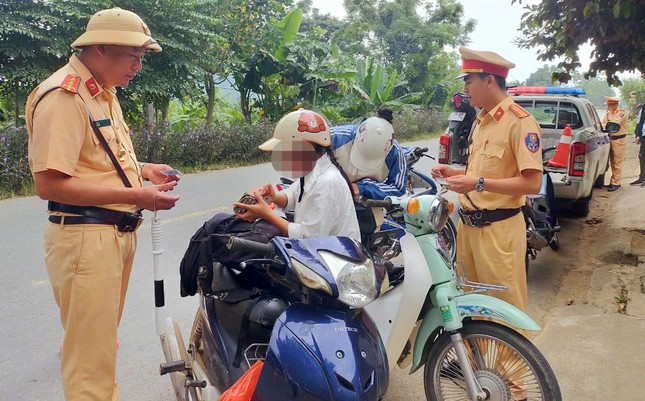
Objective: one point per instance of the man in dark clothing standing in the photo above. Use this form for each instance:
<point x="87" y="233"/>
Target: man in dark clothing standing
<point x="639" y="133"/>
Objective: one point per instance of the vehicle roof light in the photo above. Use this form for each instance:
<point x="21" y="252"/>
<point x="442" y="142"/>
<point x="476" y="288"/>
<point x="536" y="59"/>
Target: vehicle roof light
<point x="545" y="90"/>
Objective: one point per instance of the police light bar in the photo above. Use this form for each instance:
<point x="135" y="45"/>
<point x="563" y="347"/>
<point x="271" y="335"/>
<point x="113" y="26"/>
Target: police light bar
<point x="545" y="90"/>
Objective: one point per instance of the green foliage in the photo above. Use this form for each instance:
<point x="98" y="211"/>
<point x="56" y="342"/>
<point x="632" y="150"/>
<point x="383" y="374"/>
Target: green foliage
<point x="402" y="39"/>
<point x="596" y="89"/>
<point x="637" y="88"/>
<point x="202" y="146"/>
<point x="614" y="28"/>
<point x="543" y="76"/>
<point x="15" y="177"/>
<point x="375" y="88"/>
<point x="412" y="125"/>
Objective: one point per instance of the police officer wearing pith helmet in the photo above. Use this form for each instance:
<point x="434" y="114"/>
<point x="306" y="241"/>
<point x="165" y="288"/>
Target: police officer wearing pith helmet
<point x="83" y="163"/>
<point x="618" y="140"/>
<point x="504" y="164"/>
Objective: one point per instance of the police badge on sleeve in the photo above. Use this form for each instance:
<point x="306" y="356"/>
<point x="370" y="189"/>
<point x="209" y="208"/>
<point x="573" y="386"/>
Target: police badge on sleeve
<point x="532" y="141"/>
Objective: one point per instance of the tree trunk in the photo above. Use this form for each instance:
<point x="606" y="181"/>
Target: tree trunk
<point x="210" y="92"/>
<point x="245" y="96"/>
<point x="165" y="109"/>
<point x="148" y="115"/>
<point x="17" y="100"/>
<point x="148" y="126"/>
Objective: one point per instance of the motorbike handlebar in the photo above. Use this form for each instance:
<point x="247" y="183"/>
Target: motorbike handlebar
<point x="244" y="245"/>
<point x="420" y="151"/>
<point x="387" y="202"/>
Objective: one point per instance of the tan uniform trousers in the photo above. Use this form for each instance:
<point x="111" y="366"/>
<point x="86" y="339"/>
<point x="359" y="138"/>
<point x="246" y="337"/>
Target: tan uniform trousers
<point x="89" y="268"/>
<point x="616" y="158"/>
<point x="495" y="254"/>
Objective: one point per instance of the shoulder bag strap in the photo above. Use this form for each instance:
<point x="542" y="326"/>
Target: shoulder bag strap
<point x="108" y="150"/>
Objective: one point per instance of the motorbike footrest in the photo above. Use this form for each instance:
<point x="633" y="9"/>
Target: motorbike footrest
<point x="174" y="366"/>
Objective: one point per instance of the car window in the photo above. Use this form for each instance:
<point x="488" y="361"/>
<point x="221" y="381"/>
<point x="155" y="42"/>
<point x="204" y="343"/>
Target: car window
<point x="594" y="116"/>
<point x="543" y="111"/>
<point x="568" y="115"/>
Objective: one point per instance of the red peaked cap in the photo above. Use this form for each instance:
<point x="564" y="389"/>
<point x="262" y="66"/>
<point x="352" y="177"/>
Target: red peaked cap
<point x="475" y="61"/>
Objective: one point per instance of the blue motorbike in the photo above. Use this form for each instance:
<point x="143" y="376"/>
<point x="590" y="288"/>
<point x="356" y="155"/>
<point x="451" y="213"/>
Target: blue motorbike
<point x="299" y="309"/>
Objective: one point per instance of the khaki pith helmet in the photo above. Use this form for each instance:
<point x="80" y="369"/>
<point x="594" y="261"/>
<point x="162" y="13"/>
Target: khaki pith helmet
<point x="116" y="26"/>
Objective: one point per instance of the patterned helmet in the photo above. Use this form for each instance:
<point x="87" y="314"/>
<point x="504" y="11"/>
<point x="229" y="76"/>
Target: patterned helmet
<point x="299" y="125"/>
<point x="372" y="143"/>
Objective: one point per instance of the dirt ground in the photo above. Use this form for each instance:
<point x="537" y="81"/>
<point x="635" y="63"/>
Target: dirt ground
<point x="591" y="304"/>
<point x="606" y="268"/>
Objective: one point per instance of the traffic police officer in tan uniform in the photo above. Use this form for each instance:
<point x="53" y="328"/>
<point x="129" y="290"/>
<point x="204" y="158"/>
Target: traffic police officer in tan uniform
<point x="618" y="140"/>
<point x="504" y="164"/>
<point x="90" y="238"/>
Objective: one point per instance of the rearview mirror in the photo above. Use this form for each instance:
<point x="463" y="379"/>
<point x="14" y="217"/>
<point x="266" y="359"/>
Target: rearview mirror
<point x="612" y="127"/>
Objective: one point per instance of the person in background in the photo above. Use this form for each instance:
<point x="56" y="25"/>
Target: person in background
<point x="83" y="163"/>
<point x="373" y="161"/>
<point x="618" y="140"/>
<point x="321" y="197"/>
<point x="639" y="133"/>
<point x="504" y="164"/>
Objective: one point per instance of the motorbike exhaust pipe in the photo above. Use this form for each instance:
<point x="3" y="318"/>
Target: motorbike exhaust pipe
<point x="535" y="239"/>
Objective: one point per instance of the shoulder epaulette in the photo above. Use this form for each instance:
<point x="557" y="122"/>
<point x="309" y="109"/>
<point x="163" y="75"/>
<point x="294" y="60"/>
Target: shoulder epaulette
<point x="518" y="110"/>
<point x="70" y="83"/>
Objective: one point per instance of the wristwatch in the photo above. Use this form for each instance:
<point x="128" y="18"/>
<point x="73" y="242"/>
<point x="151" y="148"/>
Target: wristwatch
<point x="479" y="187"/>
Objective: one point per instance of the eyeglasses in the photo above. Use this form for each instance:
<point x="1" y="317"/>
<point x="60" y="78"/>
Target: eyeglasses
<point x="133" y="56"/>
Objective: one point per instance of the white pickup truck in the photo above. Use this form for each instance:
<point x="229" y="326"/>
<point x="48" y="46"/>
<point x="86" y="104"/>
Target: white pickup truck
<point x="554" y="108"/>
<point x="588" y="155"/>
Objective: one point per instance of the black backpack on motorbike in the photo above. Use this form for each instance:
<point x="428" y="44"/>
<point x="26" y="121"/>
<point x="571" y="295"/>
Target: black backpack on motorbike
<point x="208" y="245"/>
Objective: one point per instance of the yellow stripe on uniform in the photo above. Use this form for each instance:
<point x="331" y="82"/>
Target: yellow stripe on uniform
<point x="519" y="111"/>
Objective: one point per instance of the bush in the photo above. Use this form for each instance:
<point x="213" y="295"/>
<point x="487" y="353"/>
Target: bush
<point x="203" y="146"/>
<point x="418" y="124"/>
<point x="15" y="176"/>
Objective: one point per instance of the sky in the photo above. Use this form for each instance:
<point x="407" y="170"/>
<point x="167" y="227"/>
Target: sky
<point x="497" y="26"/>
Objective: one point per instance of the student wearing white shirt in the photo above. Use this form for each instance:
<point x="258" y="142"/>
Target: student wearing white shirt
<point x="321" y="198"/>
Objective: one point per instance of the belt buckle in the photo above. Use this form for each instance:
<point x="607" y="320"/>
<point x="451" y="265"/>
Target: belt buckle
<point x="479" y="219"/>
<point x="467" y="219"/>
<point x="130" y="224"/>
<point x="138" y="223"/>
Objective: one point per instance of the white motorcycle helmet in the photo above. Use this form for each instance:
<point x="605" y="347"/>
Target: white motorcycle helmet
<point x="299" y="125"/>
<point x="372" y="143"/>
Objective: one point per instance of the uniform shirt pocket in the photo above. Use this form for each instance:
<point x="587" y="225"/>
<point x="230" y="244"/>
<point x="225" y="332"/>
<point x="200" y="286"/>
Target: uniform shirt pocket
<point x="100" y="159"/>
<point x="492" y="155"/>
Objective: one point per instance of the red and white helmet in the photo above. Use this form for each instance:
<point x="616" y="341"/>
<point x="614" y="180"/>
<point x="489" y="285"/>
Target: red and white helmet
<point x="372" y="143"/>
<point x="299" y="125"/>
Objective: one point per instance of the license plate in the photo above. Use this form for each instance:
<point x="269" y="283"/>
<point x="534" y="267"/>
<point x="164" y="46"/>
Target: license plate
<point x="456" y="116"/>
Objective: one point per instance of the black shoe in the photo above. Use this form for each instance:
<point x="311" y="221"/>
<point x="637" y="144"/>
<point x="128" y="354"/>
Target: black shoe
<point x="607" y="185"/>
<point x="612" y="188"/>
<point x="637" y="182"/>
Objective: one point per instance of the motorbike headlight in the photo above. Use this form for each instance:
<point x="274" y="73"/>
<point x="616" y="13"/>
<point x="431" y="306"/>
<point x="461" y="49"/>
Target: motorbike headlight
<point x="438" y="214"/>
<point x="310" y="278"/>
<point x="356" y="281"/>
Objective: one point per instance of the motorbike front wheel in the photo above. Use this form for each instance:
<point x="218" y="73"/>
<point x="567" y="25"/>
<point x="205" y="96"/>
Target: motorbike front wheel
<point x="449" y="236"/>
<point x="506" y="365"/>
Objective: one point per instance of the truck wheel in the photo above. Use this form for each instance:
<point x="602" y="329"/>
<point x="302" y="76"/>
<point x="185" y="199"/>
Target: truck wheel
<point x="581" y="206"/>
<point x="600" y="181"/>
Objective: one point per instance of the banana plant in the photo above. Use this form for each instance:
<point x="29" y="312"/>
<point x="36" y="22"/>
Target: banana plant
<point x="375" y="88"/>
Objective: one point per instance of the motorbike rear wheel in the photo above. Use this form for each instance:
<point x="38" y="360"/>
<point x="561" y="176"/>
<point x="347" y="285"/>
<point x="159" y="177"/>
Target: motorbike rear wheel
<point x="506" y="365"/>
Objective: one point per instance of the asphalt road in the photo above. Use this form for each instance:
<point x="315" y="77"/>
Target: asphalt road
<point x="30" y="330"/>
